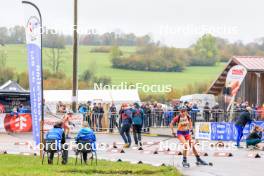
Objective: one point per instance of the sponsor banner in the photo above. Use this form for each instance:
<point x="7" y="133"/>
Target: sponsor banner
<point x="227" y="131"/>
<point x="15" y="123"/>
<point x="234" y="78"/>
<point x="203" y="130"/>
<point x="18" y="123"/>
<point x="224" y="131"/>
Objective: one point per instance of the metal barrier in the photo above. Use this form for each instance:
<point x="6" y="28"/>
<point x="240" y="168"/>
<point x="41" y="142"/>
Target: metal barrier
<point x="159" y="119"/>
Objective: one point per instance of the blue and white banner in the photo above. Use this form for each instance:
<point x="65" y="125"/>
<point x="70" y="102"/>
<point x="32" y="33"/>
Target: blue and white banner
<point x="33" y="36"/>
<point x="222" y="131"/>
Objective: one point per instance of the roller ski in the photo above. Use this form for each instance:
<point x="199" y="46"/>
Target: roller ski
<point x="201" y="162"/>
<point x="185" y="164"/>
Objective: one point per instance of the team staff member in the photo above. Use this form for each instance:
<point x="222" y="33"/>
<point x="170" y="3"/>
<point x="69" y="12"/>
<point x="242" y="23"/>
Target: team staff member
<point x="57" y="134"/>
<point x="243" y="120"/>
<point x="184" y="130"/>
<point x="254" y="138"/>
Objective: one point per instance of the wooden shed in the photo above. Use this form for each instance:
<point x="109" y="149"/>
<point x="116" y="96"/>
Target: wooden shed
<point x="252" y="87"/>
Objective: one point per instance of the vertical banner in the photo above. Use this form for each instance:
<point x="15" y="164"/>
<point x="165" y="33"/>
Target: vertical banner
<point x="234" y="78"/>
<point x="33" y="30"/>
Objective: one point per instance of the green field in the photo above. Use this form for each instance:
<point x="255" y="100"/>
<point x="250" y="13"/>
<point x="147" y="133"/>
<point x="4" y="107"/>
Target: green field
<point x="102" y="64"/>
<point x="14" y="165"/>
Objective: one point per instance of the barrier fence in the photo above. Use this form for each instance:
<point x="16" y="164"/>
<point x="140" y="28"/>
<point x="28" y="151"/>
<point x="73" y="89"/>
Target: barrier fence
<point x="111" y="121"/>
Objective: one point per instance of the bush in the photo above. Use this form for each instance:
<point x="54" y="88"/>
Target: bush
<point x="6" y="74"/>
<point x="202" y="62"/>
<point x="22" y="80"/>
<point x="57" y="84"/>
<point x="104" y="80"/>
<point x="87" y="75"/>
<point x="49" y="75"/>
<point x="102" y="49"/>
<point x="153" y="58"/>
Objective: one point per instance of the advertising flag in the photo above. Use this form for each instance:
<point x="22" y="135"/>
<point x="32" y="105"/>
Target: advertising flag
<point x="33" y="38"/>
<point x="234" y="78"/>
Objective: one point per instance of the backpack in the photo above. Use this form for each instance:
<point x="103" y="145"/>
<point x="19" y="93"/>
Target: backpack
<point x="137" y="117"/>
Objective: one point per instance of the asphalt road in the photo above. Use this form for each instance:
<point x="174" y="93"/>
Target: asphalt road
<point x="239" y="164"/>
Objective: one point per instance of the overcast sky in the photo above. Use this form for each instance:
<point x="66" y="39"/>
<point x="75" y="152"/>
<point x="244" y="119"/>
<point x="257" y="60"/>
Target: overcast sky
<point x="173" y="22"/>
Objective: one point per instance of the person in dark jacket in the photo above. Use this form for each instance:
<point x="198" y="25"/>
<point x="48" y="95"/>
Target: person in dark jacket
<point x="94" y="115"/>
<point x="254" y="138"/>
<point x="206" y="112"/>
<point x="57" y="134"/>
<point x="244" y="118"/>
<point x="126" y="122"/>
<point x="86" y="134"/>
<point x="147" y="117"/>
<point x="194" y="112"/>
<point x="112" y="118"/>
<point x="137" y="121"/>
<point x="83" y="110"/>
<point x="100" y="117"/>
<point x="216" y="112"/>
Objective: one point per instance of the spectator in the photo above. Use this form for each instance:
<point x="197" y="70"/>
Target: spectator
<point x="206" y="112"/>
<point x="147" y="117"/>
<point x="2" y="108"/>
<point x="94" y="115"/>
<point x="89" y="112"/>
<point x="193" y="113"/>
<point x="100" y="117"/>
<point x="216" y="112"/>
<point x="22" y="109"/>
<point x="169" y="114"/>
<point x="113" y="116"/>
<point x="254" y="112"/>
<point x="261" y="112"/>
<point x="188" y="105"/>
<point x="60" y="107"/>
<point x="158" y="114"/>
<point x="176" y="109"/>
<point x="83" y="110"/>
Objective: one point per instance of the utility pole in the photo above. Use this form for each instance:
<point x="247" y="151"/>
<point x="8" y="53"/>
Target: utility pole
<point x="75" y="56"/>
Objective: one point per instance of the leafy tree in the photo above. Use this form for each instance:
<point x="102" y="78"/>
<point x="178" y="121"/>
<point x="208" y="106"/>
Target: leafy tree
<point x="206" y="51"/>
<point x="56" y="45"/>
<point x="116" y="52"/>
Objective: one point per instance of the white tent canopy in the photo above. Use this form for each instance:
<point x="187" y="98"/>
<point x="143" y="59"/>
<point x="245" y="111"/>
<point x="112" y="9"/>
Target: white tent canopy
<point x="105" y="96"/>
